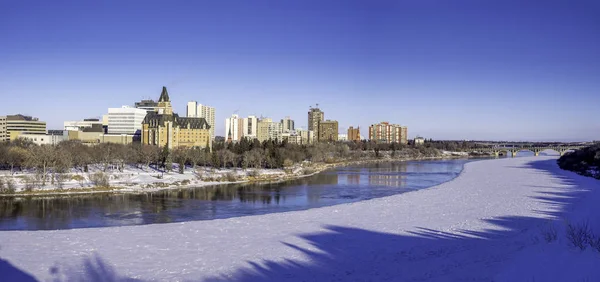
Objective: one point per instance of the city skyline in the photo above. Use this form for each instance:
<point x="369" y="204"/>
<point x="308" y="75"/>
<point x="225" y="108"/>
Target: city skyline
<point x="488" y="71"/>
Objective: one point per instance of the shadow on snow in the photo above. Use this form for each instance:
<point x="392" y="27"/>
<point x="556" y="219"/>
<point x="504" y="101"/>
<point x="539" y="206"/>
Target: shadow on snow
<point x="351" y="254"/>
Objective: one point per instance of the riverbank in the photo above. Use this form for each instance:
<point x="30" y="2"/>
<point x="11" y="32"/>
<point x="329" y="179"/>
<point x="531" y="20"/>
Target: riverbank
<point x="489" y="224"/>
<point x="136" y="180"/>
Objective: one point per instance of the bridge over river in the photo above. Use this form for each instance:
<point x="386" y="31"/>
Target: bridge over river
<point x="512" y="151"/>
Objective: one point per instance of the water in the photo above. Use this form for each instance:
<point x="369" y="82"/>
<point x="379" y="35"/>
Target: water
<point x="337" y="186"/>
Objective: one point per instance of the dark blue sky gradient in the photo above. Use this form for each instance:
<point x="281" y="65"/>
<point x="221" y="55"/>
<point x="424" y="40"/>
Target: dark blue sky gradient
<point x="519" y="70"/>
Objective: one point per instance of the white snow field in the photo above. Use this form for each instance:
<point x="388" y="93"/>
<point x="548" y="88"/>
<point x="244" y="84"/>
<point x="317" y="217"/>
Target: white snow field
<point x="489" y="224"/>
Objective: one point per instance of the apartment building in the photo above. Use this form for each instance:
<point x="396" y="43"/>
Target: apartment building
<point x="196" y="110"/>
<point x="354" y="134"/>
<point x="315" y="116"/>
<point x="269" y="130"/>
<point x="328" y="131"/>
<point x="388" y="133"/>
<point x="287" y="124"/>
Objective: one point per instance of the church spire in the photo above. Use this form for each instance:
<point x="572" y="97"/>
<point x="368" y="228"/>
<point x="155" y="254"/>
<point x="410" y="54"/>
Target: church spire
<point x="164" y="95"/>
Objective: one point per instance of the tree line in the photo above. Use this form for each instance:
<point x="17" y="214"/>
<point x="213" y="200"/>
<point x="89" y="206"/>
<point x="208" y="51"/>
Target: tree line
<point x="21" y="153"/>
<point x="585" y="161"/>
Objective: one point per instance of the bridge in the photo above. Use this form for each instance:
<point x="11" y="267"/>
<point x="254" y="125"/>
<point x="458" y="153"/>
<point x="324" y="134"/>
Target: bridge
<point x="512" y="151"/>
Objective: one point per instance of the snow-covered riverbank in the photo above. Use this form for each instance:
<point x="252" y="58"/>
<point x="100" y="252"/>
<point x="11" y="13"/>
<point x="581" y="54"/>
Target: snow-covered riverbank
<point x="489" y="224"/>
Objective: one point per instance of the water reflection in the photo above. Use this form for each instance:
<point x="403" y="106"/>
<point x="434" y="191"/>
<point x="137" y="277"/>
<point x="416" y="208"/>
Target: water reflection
<point x="342" y="185"/>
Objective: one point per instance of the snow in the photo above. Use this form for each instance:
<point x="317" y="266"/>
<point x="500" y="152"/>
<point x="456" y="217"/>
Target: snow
<point x="134" y="179"/>
<point x="488" y="224"/>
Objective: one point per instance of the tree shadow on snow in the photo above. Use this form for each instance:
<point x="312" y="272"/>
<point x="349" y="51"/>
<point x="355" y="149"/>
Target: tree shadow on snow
<point x="9" y="272"/>
<point x="351" y="254"/>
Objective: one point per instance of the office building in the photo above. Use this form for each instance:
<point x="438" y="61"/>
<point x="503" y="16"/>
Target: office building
<point x="315" y="115"/>
<point x="11" y="126"/>
<point x="354" y="134"/>
<point x="195" y="110"/>
<point x="388" y="133"/>
<point x="328" y="131"/>
<point x="165" y="128"/>
<point x="125" y="120"/>
<point x="287" y="124"/>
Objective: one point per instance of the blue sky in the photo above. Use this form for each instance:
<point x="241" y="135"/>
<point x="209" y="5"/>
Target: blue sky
<point x="510" y="70"/>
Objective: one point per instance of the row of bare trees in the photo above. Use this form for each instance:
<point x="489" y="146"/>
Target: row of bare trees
<point x="68" y="155"/>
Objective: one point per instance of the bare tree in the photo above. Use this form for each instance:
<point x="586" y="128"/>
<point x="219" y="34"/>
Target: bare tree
<point x="41" y="158"/>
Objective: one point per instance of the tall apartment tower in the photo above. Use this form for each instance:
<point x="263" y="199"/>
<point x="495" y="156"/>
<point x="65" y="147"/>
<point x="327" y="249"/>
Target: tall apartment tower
<point x="354" y="134"/>
<point x="315" y="116"/>
<point x="233" y="128"/>
<point x="202" y="111"/>
<point x="287" y="124"/>
<point x="250" y="127"/>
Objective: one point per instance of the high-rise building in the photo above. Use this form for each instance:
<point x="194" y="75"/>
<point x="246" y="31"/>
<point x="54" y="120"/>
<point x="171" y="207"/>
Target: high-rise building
<point x="233" y="128"/>
<point x="315" y="115"/>
<point x="388" y="133"/>
<point x="287" y="124"/>
<point x="354" y="134"/>
<point x="269" y="130"/>
<point x="12" y="126"/>
<point x="125" y="120"/>
<point x="165" y="128"/>
<point x="250" y="127"/>
<point x="328" y="131"/>
<point x="202" y="111"/>
<point x="148" y="105"/>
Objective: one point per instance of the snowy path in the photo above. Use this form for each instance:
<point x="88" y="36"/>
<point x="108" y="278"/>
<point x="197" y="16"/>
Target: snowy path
<point x="474" y="228"/>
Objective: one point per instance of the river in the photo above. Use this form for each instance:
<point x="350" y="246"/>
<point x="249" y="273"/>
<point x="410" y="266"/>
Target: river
<point x="331" y="187"/>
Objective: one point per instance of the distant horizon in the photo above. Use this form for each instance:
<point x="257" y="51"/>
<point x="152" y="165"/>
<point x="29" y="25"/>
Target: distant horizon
<point x="510" y="70"/>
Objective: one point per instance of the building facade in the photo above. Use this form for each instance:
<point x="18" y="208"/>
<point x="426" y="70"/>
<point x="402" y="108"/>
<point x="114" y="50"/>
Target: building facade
<point x="269" y="130"/>
<point x="388" y="133"/>
<point x="306" y="136"/>
<point x="165" y="128"/>
<point x="12" y="126"/>
<point x="315" y="116"/>
<point x="233" y="128"/>
<point x="83" y="125"/>
<point x="195" y="110"/>
<point x="250" y="127"/>
<point x="287" y="124"/>
<point x="354" y="134"/>
<point x="53" y="137"/>
<point x="419" y="141"/>
<point x="3" y="135"/>
<point x="342" y="137"/>
<point x="125" y="120"/>
<point x="328" y="131"/>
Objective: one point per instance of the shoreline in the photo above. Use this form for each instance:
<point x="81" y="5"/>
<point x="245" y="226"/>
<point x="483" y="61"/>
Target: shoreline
<point x="408" y="234"/>
<point x="318" y="167"/>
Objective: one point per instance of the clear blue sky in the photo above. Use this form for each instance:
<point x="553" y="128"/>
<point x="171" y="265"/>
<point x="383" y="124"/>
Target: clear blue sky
<point x="461" y="70"/>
